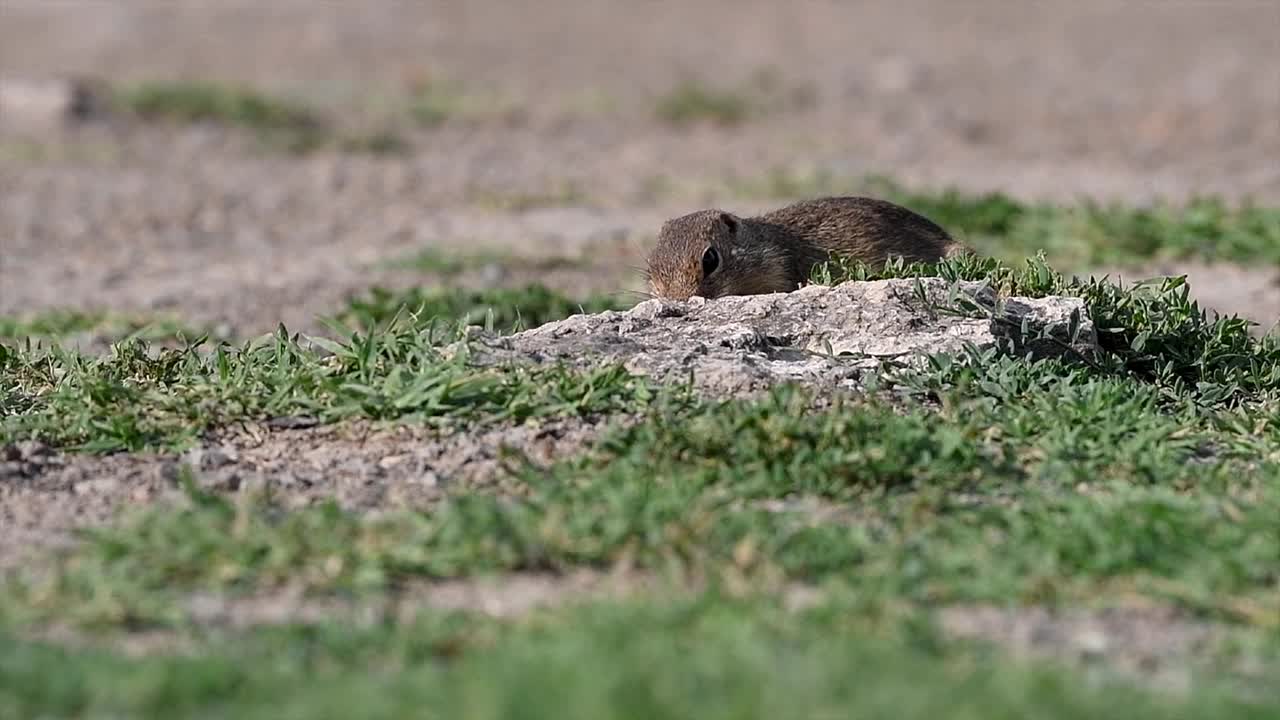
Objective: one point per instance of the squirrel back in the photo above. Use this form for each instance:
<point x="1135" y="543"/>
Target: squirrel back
<point x="712" y="253"/>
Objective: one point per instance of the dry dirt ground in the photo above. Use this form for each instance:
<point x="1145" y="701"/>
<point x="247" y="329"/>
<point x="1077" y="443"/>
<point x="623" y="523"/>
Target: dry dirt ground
<point x="1127" y="100"/>
<point x="1115" y="100"/>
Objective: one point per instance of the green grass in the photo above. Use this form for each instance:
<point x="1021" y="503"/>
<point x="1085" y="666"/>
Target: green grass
<point x="1086" y="234"/>
<point x="1025" y="484"/>
<point x="375" y="142"/>
<point x="436" y="103"/>
<point x="504" y="309"/>
<point x="1078" y="486"/>
<point x="1148" y="474"/>
<point x="62" y="323"/>
<point x="210" y="102"/>
<point x="1152" y="330"/>
<point x="692" y="102"/>
<point x="1189" y="409"/>
<point x="52" y="323"/>
<point x="438" y="262"/>
<point x="135" y="398"/>
<point x="432" y="106"/>
<point x="562" y="194"/>
<point x="390" y="366"/>
<point x="277" y="120"/>
<point x="709" y="658"/>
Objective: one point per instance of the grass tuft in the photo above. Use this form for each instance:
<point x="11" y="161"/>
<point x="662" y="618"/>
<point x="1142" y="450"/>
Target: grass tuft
<point x="436" y="261"/>
<point x="692" y="102"/>
<point x="435" y="103"/>
<point x="62" y="323"/>
<point x="277" y="120"/>
<point x="1153" y="330"/>
<point x="136" y="398"/>
<point x="503" y="309"/>
<point x="710" y="657"/>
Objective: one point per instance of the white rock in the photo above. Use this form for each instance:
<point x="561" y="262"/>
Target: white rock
<point x="824" y="336"/>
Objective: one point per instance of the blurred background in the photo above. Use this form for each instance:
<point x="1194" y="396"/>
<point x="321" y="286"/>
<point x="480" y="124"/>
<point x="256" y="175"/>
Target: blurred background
<point x="238" y="164"/>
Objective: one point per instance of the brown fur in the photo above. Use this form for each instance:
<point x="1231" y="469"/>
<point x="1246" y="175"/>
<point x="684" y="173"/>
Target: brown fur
<point x="776" y="252"/>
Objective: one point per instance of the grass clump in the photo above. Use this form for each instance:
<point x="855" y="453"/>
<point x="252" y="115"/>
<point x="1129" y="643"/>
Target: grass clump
<point x="375" y="142"/>
<point x="200" y="102"/>
<point x="51" y="323"/>
<point x="134" y="399"/>
<point x="274" y="119"/>
<point x="62" y="323"/>
<point x="435" y="261"/>
<point x="562" y="194"/>
<point x="433" y="103"/>
<point x="692" y="102"/>
<point x="391" y="366"/>
<point x="504" y="309"/>
<point x="1093" y="233"/>
<point x="712" y="657"/>
<point x="1153" y="330"/>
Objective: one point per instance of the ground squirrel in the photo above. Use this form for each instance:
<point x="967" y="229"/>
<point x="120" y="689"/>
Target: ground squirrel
<point x="712" y="253"/>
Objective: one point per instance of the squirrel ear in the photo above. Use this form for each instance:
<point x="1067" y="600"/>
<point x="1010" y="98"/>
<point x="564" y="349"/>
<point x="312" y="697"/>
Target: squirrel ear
<point x="730" y="222"/>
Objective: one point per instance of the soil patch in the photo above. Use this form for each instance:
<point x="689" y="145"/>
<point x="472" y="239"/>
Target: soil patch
<point x="45" y="495"/>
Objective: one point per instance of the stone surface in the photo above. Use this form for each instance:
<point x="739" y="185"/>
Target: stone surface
<point x="818" y="335"/>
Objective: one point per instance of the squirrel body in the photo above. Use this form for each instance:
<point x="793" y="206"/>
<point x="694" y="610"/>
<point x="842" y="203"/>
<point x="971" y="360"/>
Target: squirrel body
<point x="712" y="253"/>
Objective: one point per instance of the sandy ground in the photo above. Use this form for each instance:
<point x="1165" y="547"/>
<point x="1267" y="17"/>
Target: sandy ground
<point x="1130" y="100"/>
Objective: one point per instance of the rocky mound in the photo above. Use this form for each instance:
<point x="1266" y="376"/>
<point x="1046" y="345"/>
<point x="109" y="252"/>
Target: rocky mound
<point x="820" y="335"/>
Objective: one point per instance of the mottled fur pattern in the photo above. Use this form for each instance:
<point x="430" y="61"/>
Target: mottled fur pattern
<point x="776" y="252"/>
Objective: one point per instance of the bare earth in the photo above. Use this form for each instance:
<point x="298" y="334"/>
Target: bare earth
<point x="1114" y="100"/>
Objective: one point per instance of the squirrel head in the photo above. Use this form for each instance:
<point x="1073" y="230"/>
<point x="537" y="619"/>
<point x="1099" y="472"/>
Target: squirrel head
<point x="695" y="255"/>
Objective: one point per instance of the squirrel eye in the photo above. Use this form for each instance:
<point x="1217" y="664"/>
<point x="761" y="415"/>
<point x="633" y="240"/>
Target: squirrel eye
<point x="710" y="261"/>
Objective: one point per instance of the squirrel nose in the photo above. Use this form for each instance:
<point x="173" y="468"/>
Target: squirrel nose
<point x="683" y="293"/>
<point x="671" y="292"/>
